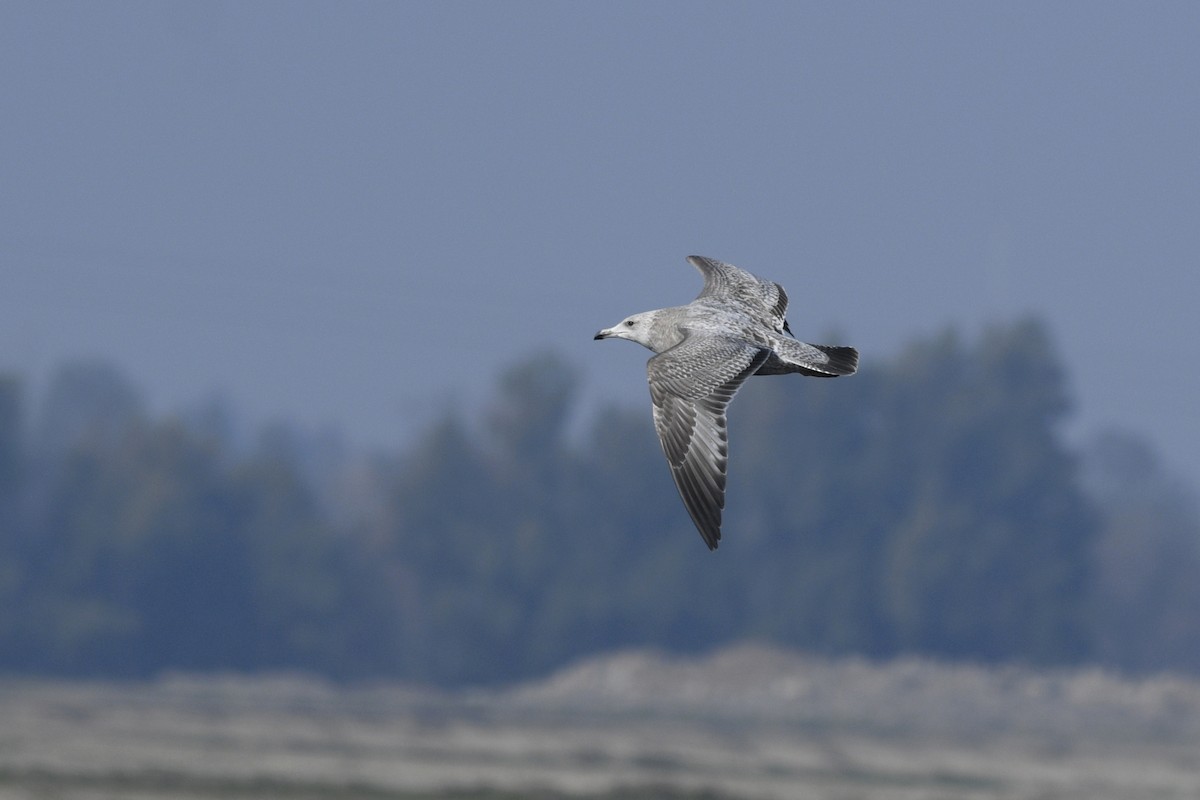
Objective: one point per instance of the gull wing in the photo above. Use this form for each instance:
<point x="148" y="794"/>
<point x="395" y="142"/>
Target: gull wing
<point x="691" y="385"/>
<point x="764" y="299"/>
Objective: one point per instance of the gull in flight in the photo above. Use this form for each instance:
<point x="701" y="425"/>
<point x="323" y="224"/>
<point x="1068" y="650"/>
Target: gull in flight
<point x="705" y="350"/>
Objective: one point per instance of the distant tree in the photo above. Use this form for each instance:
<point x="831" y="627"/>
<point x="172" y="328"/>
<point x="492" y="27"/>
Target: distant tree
<point x="812" y="504"/>
<point x="131" y="560"/>
<point x="445" y="545"/>
<point x="1147" y="558"/>
<point x="158" y="553"/>
<point x="11" y="481"/>
<point x="476" y="518"/>
<point x="86" y="399"/>
<point x="11" y="444"/>
<point x="306" y="608"/>
<point x="989" y="556"/>
<point x="622" y="554"/>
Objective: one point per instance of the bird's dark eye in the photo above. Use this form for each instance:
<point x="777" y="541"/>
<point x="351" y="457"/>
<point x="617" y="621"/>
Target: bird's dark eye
<point x="628" y="323"/>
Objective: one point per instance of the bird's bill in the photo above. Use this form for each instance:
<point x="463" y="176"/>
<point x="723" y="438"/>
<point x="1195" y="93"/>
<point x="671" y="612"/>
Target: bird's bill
<point x="603" y="333"/>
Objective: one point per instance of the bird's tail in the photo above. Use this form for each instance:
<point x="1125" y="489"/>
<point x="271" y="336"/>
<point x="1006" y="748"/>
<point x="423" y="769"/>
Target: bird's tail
<point x="817" y="360"/>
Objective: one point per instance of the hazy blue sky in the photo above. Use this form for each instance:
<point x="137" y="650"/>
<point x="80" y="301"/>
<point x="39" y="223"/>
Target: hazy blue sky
<point x="352" y="212"/>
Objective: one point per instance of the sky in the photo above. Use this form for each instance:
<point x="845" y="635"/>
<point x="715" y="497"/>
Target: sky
<point x="358" y="214"/>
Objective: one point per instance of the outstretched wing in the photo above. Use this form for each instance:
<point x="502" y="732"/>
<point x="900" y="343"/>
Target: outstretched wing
<point x="691" y="386"/>
<point x="763" y="299"/>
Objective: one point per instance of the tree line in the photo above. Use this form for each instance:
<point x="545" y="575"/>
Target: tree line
<point x="931" y="504"/>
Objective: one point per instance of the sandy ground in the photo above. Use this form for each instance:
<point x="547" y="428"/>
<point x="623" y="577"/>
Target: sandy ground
<point x="749" y="722"/>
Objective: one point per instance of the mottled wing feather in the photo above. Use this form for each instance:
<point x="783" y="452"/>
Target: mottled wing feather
<point x="764" y="299"/>
<point x="691" y="385"/>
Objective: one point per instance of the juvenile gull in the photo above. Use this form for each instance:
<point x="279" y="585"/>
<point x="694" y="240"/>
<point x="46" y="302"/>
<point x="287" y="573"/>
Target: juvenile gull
<point x="705" y="350"/>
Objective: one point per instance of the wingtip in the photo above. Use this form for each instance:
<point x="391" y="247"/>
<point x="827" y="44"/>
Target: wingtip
<point x="710" y="535"/>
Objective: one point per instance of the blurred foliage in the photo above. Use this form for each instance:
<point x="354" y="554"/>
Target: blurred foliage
<point x="927" y="505"/>
<point x="1147" y="559"/>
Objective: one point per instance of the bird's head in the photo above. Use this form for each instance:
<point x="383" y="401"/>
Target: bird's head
<point x="636" y="328"/>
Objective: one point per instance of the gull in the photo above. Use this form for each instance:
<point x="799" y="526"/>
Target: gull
<point x="705" y="351"/>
